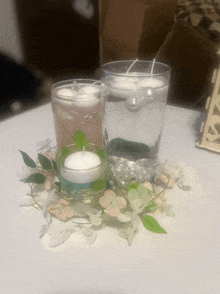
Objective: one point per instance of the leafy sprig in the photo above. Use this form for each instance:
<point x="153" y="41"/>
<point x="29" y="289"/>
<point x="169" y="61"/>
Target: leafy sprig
<point x="140" y="199"/>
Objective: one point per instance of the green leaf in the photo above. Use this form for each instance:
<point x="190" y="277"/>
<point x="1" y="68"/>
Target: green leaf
<point x="81" y="140"/>
<point x="99" y="185"/>
<point x="44" y="161"/>
<point x="132" y="186"/>
<point x="54" y="165"/>
<point x="101" y="153"/>
<point x="36" y="178"/>
<point x="152" y="206"/>
<point x="27" y="160"/>
<point x="106" y="135"/>
<point x="152" y="225"/>
<point x="149" y="191"/>
<point x="58" y="184"/>
<point x="62" y="155"/>
<point x="108" y="185"/>
<point x="66" y="152"/>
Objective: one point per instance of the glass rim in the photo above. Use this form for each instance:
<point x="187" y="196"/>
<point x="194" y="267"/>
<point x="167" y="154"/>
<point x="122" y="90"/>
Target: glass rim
<point x="103" y="69"/>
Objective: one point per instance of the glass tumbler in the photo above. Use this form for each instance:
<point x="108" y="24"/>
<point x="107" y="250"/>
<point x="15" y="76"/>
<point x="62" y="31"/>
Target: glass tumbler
<point x="77" y="106"/>
<point x="135" y="97"/>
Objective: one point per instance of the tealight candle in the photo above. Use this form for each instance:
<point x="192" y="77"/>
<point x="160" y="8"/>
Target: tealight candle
<point x="86" y="100"/>
<point x="82" y="167"/>
<point x="86" y="96"/>
<point x="91" y="89"/>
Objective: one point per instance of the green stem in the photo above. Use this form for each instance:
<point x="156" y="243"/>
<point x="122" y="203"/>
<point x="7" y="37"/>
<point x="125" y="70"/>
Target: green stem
<point x="162" y="189"/>
<point x="39" y="206"/>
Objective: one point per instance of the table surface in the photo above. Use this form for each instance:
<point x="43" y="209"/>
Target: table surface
<point x="186" y="260"/>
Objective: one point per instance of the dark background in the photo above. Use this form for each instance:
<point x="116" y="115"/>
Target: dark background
<point x="56" y="40"/>
<point x="57" y="43"/>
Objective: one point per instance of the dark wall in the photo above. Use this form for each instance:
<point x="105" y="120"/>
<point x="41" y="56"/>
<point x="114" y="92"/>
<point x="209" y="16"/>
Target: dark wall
<point x="57" y="40"/>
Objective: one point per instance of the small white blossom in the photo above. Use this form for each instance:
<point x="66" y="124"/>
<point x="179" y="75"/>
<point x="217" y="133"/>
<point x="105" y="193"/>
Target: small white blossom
<point x="42" y="145"/>
<point x="139" y="198"/>
<point x="173" y="169"/>
<point x="129" y="230"/>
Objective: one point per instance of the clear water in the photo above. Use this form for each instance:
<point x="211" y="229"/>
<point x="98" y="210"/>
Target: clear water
<point x="132" y="124"/>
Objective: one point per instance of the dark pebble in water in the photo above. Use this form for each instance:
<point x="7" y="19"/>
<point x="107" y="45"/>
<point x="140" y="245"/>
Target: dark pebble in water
<point x="112" y="98"/>
<point x="128" y="149"/>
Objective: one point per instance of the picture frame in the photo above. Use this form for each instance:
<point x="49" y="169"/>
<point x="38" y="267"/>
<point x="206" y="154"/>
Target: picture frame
<point x="210" y="128"/>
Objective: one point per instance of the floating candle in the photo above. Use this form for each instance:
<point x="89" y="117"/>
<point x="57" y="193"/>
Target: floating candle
<point x="84" y="96"/>
<point x="86" y="100"/>
<point x="125" y="85"/>
<point x="66" y="92"/>
<point x="150" y="82"/>
<point x="88" y="96"/>
<point x="91" y="89"/>
<point x="82" y="167"/>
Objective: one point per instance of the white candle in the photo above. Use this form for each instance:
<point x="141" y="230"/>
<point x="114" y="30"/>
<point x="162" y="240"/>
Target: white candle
<point x="84" y="96"/>
<point x="150" y="82"/>
<point x="82" y="167"/>
<point x="64" y="92"/>
<point x="86" y="100"/>
<point x="91" y="89"/>
<point x="123" y="87"/>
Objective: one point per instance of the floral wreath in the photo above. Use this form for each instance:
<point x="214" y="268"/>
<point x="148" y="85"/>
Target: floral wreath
<point x="123" y="208"/>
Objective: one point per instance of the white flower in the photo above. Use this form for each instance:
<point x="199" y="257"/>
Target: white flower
<point x="124" y="218"/>
<point x="58" y="232"/>
<point x="89" y="234"/>
<point x="139" y="198"/>
<point x="42" y="145"/>
<point x="173" y="169"/>
<point x="129" y="230"/>
<point x="95" y="218"/>
<point x="187" y="178"/>
<point x="163" y="207"/>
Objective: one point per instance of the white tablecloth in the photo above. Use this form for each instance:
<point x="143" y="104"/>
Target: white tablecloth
<point x="186" y="260"/>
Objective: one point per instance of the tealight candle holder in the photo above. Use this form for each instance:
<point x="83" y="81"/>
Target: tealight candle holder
<point x="80" y="173"/>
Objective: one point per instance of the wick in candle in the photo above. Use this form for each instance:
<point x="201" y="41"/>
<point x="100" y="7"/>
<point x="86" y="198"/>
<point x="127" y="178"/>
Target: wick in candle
<point x="152" y="68"/>
<point x="74" y="85"/>
<point x="131" y="66"/>
<point x="78" y="87"/>
<point x="81" y="90"/>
